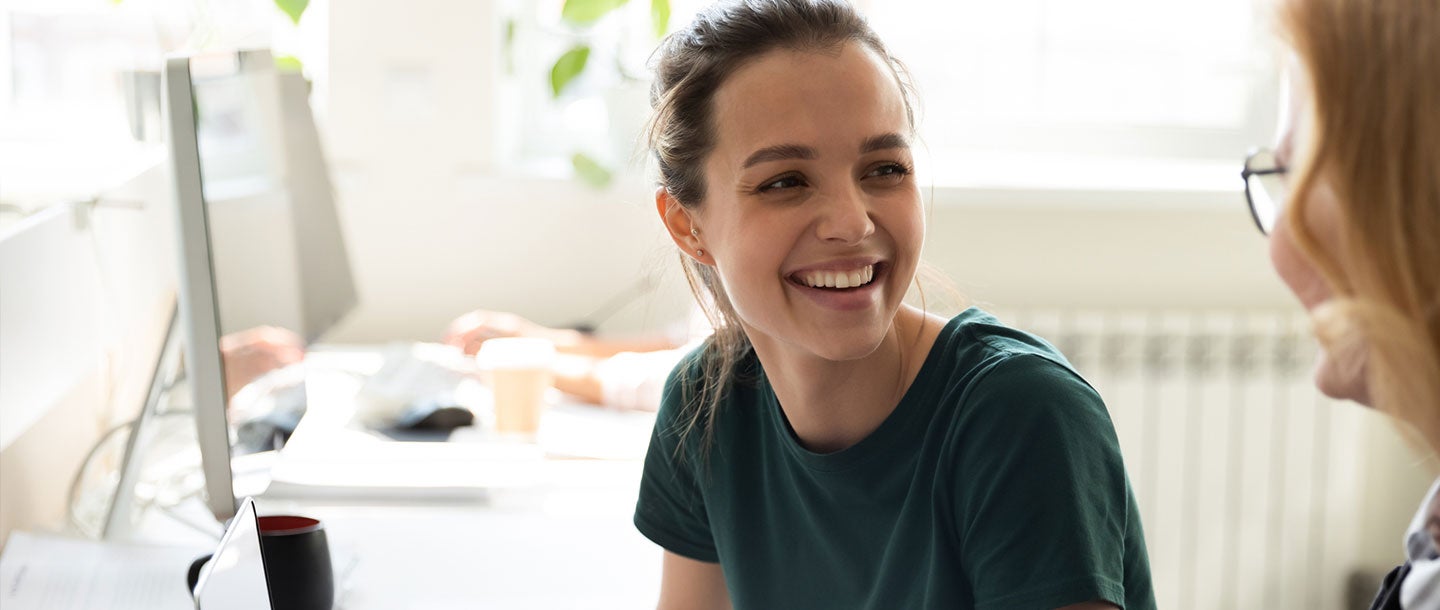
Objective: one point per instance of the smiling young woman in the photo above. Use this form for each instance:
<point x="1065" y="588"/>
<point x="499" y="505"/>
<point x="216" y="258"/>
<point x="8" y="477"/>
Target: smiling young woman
<point x="831" y="446"/>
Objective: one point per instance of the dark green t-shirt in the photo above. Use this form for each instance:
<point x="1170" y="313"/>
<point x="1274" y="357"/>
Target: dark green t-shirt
<point x="996" y="483"/>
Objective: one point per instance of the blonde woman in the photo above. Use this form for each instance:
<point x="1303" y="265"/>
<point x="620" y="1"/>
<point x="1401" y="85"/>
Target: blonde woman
<point x="1351" y="201"/>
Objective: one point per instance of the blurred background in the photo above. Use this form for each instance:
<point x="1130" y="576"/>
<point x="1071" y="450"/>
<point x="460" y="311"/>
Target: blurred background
<point x="1081" y="167"/>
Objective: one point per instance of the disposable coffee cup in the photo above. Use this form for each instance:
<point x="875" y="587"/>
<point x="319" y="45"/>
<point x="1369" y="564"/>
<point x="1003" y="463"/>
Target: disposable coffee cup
<point x="297" y="563"/>
<point x="520" y="373"/>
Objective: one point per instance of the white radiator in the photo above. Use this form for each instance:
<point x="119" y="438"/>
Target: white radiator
<point x="1249" y="481"/>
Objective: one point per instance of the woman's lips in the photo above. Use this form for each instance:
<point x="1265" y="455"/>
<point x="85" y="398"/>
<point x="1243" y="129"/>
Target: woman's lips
<point x="836" y="278"/>
<point x="849" y="298"/>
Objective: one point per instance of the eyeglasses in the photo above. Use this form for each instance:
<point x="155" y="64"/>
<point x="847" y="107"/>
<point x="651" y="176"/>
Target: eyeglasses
<point x="1265" y="187"/>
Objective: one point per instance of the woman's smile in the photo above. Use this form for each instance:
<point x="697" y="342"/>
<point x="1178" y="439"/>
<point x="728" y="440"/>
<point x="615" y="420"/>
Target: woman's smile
<point x="841" y="285"/>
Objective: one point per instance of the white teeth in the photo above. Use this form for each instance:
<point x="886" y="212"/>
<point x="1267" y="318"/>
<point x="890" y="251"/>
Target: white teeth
<point x="839" y="279"/>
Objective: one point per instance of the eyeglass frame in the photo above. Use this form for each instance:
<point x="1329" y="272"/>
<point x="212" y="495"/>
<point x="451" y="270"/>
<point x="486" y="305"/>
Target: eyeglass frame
<point x="1246" y="172"/>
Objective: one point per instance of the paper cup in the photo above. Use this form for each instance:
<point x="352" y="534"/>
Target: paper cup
<point x="520" y="374"/>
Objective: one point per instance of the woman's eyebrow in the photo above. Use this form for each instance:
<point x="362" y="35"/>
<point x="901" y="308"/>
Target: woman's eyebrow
<point x="779" y="152"/>
<point x="884" y="141"/>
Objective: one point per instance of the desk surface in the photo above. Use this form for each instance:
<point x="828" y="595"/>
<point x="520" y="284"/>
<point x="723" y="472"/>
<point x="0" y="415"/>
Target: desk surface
<point x="567" y="544"/>
<point x="550" y="550"/>
<point x="567" y="551"/>
<point x="563" y="543"/>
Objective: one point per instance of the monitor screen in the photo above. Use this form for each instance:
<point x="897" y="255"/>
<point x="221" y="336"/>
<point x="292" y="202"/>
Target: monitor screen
<point x="263" y="264"/>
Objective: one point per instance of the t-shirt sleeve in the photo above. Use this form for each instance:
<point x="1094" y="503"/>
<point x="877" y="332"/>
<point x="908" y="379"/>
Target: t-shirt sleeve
<point x="1042" y="501"/>
<point x="671" y="508"/>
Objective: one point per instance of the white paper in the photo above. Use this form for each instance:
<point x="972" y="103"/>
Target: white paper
<point x="46" y="572"/>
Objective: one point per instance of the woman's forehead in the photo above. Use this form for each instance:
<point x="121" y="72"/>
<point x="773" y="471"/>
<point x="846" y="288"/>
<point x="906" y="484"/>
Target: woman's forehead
<point x="787" y="95"/>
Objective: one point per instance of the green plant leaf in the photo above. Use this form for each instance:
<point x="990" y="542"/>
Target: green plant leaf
<point x="289" y="63"/>
<point x="590" y="171"/>
<point x="293" y="8"/>
<point x="660" y="16"/>
<point x="586" y="12"/>
<point x="509" y="46"/>
<point x="569" y="66"/>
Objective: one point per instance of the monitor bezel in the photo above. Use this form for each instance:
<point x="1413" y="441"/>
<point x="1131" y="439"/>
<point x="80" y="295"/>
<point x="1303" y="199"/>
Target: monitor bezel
<point x="198" y="311"/>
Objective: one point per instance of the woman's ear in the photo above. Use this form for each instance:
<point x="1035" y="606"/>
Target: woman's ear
<point x="681" y="226"/>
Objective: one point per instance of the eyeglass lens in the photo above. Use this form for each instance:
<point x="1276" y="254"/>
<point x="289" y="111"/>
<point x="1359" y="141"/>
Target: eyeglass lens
<point x="1267" y="193"/>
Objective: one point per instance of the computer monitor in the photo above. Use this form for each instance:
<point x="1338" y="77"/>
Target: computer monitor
<point x="260" y="244"/>
<point x="327" y="287"/>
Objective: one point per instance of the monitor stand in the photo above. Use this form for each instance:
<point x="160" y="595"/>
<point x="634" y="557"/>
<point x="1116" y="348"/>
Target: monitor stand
<point x="120" y="518"/>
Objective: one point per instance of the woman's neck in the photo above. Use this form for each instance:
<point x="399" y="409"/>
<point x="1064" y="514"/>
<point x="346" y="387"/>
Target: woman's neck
<point x="832" y="405"/>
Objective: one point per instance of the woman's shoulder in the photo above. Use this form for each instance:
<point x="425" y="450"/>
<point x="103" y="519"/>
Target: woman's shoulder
<point x="1010" y="389"/>
<point x="974" y="341"/>
<point x="987" y="364"/>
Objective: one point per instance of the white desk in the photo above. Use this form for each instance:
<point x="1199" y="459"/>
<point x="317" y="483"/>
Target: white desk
<point x="566" y="543"/>
<point x="555" y="550"/>
<point x="415" y="556"/>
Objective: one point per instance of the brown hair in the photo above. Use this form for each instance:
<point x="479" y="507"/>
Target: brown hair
<point x="1374" y="72"/>
<point x="690" y="66"/>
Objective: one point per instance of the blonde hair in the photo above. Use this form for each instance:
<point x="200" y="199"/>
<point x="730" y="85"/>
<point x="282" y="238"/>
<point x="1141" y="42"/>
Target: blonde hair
<point x="1374" y="73"/>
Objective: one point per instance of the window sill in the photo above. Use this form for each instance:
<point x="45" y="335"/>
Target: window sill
<point x="1064" y="181"/>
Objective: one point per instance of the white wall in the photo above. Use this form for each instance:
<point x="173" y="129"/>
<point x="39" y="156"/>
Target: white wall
<point x="434" y="227"/>
<point x="438" y="226"/>
<point x="116" y="282"/>
<point x="1103" y="249"/>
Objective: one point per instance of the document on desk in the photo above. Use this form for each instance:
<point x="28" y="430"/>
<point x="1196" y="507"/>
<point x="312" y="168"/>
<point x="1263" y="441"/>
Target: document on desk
<point x="49" y="572"/>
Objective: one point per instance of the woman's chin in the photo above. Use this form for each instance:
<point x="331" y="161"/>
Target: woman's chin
<point x="848" y="350"/>
<point x="1341" y="382"/>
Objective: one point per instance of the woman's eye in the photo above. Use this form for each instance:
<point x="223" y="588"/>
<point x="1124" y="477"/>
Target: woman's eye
<point x="889" y="170"/>
<point x="783" y="182"/>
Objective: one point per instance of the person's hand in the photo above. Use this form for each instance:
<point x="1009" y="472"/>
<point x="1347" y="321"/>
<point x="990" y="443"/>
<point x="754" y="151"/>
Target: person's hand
<point x="251" y="353"/>
<point x="469" y="331"/>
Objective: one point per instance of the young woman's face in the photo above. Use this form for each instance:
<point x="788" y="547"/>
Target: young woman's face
<point x="812" y="216"/>
<point x="1335" y="377"/>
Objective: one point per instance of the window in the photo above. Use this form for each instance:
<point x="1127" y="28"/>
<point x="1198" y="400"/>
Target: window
<point x="1110" y="94"/>
<point x="602" y="113"/>
<point x="1100" y="93"/>
<point x="80" y="83"/>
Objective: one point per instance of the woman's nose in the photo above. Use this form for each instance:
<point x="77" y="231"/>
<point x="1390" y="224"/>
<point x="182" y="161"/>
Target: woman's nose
<point x="845" y="218"/>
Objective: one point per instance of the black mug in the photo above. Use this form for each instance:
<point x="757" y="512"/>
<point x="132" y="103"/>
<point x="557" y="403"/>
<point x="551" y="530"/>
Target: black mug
<point x="297" y="563"/>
